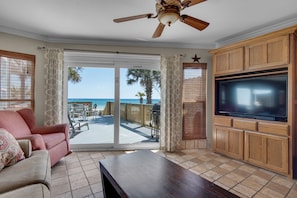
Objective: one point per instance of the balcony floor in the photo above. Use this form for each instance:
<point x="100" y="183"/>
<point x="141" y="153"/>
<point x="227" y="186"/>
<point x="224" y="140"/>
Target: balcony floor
<point x="101" y="131"/>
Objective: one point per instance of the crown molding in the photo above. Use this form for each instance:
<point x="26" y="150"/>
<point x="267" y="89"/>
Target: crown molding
<point x="258" y="31"/>
<point x="244" y="35"/>
<point x="131" y="43"/>
<point x="104" y="42"/>
<point x="22" y="33"/>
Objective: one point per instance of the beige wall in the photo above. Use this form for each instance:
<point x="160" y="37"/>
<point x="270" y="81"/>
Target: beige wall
<point x="30" y="46"/>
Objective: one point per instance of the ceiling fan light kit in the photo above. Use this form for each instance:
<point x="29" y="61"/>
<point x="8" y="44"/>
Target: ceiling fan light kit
<point x="168" y="12"/>
<point x="168" y="17"/>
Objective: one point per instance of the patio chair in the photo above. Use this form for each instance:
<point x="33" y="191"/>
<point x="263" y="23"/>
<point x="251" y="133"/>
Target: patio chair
<point x="75" y="126"/>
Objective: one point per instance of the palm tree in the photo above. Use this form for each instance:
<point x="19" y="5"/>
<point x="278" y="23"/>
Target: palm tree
<point x="74" y="74"/>
<point x="147" y="79"/>
<point x="140" y="95"/>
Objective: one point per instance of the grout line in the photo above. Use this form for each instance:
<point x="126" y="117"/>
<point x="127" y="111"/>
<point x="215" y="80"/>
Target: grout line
<point x="68" y="174"/>
<point x="172" y="157"/>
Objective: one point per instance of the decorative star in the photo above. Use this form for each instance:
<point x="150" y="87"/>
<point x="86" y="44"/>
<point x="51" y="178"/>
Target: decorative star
<point x="195" y="58"/>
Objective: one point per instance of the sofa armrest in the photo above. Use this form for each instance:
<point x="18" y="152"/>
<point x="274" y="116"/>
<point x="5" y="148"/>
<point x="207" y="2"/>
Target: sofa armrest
<point x="36" y="140"/>
<point x="26" y="146"/>
<point x="59" y="128"/>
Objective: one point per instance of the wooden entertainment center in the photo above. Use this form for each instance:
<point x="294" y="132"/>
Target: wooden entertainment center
<point x="267" y="144"/>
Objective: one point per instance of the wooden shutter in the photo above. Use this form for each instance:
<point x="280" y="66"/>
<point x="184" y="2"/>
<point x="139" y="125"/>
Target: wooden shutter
<point x="194" y="99"/>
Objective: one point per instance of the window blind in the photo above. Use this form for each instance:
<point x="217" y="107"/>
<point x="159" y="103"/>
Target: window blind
<point x="17" y="80"/>
<point x="194" y="97"/>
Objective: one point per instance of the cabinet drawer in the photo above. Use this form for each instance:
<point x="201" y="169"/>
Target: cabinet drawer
<point x="276" y="129"/>
<point x="245" y="124"/>
<point x="223" y="121"/>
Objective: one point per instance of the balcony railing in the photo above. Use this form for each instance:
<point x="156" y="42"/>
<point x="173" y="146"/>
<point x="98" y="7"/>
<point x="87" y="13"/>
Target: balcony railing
<point x="137" y="113"/>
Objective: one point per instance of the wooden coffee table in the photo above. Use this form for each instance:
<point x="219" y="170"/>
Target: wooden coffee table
<point x="146" y="174"/>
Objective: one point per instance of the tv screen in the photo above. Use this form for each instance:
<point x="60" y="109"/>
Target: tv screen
<point x="263" y="97"/>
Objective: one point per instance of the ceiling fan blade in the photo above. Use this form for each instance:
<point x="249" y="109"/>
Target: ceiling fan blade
<point x="159" y="30"/>
<point x="119" y="20"/>
<point x="195" y="23"/>
<point x="188" y="3"/>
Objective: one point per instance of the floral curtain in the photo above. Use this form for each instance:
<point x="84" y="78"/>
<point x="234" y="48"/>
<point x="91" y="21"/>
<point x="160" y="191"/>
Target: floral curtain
<point x="171" y="103"/>
<point x="54" y="73"/>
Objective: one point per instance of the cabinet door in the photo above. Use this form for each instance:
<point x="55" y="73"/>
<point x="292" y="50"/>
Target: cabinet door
<point x="277" y="153"/>
<point x="273" y="52"/>
<point x="267" y="151"/>
<point x="220" y="139"/>
<point x="228" y="62"/>
<point x="228" y="141"/>
<point x="254" y="148"/>
<point x="235" y="143"/>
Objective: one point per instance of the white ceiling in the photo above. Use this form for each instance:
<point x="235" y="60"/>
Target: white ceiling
<point x="91" y="21"/>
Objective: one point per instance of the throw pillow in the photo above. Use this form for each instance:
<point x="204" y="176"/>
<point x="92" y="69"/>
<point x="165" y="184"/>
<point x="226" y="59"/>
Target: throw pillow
<point x="10" y="150"/>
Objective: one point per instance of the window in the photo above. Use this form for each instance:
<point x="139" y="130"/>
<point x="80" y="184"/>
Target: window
<point x="16" y="80"/>
<point x="194" y="101"/>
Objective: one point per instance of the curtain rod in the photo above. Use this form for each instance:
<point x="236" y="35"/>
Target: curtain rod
<point x="41" y="47"/>
<point x="101" y="51"/>
<point x="113" y="52"/>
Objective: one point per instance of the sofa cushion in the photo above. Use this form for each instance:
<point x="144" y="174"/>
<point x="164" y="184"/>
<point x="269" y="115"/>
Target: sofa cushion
<point x="53" y="139"/>
<point x="29" y="117"/>
<point x="31" y="191"/>
<point x="14" y="123"/>
<point x="10" y="150"/>
<point x="32" y="170"/>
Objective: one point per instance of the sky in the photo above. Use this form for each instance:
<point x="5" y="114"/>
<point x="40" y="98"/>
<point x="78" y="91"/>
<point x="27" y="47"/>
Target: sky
<point x="99" y="83"/>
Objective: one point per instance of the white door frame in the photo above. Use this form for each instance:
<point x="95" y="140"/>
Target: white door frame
<point x="108" y="60"/>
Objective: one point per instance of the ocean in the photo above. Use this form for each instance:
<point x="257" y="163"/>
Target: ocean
<point x="101" y="102"/>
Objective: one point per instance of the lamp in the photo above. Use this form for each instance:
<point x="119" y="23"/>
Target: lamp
<point x="169" y="16"/>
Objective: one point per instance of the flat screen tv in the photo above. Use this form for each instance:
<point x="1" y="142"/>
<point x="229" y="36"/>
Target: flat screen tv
<point x="263" y="97"/>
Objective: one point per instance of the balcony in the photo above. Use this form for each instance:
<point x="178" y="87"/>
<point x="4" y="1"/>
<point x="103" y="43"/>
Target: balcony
<point x="138" y="124"/>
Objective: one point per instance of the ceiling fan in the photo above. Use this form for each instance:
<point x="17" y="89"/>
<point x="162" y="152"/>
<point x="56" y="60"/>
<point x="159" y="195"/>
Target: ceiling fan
<point x="168" y="12"/>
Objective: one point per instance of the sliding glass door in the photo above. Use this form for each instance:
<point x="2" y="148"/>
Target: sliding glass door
<point x="90" y="106"/>
<point x="105" y="108"/>
<point x="136" y="107"/>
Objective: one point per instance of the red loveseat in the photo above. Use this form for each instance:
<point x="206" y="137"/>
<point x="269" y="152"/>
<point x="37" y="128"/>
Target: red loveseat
<point x="22" y="125"/>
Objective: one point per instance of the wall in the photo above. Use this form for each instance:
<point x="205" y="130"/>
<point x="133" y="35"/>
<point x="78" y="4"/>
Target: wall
<point x="30" y="46"/>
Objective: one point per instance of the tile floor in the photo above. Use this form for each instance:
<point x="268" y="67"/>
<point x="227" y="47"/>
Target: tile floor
<point x="77" y="175"/>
